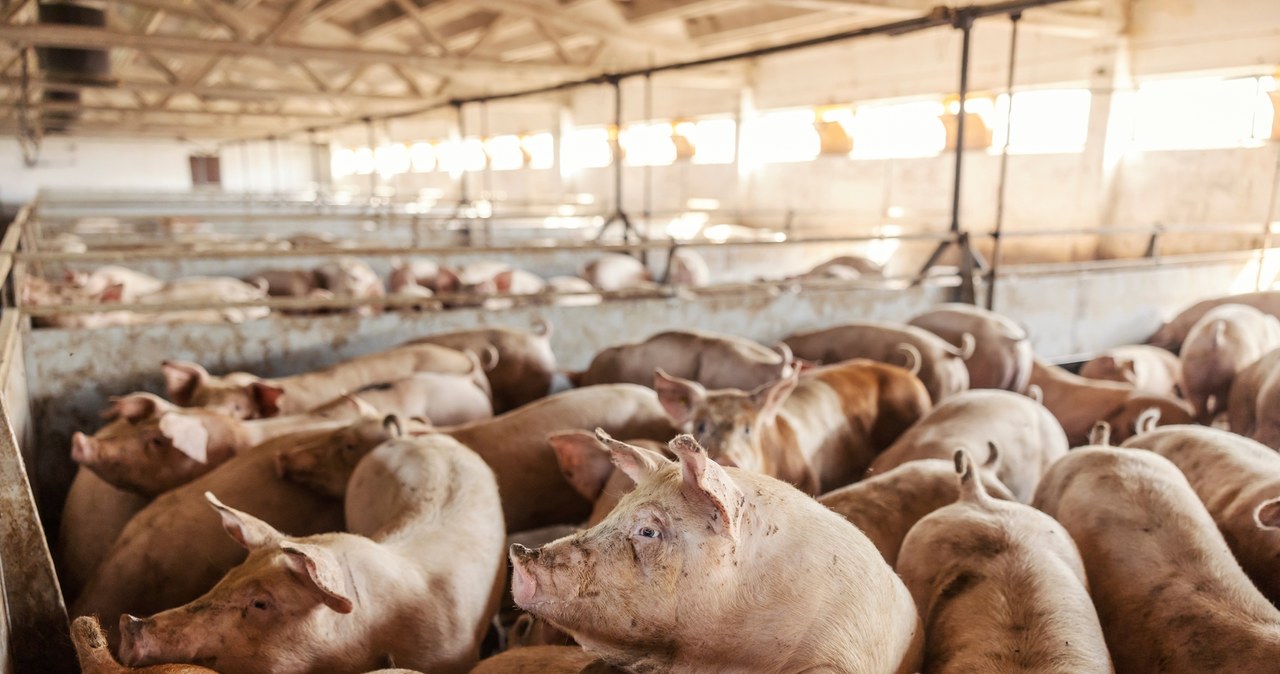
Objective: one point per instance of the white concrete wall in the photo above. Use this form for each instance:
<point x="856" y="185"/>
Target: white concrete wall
<point x="93" y="163"/>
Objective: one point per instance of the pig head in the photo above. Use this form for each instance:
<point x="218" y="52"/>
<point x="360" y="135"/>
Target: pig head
<point x="240" y="394"/>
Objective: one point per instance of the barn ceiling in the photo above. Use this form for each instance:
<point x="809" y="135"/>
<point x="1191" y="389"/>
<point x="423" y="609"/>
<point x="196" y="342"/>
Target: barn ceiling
<point x="242" y="68"/>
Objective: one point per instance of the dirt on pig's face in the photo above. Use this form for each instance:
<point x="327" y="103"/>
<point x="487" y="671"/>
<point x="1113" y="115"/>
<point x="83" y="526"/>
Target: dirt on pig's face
<point x="639" y="577"/>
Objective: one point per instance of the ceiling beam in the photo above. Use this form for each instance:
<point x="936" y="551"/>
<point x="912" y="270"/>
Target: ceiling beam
<point x="574" y="22"/>
<point x="208" y="91"/>
<point x="59" y="106"/>
<point x="289" y="21"/>
<point x="96" y="38"/>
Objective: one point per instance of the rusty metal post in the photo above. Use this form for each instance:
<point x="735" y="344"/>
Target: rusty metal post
<point x="1001" y="190"/>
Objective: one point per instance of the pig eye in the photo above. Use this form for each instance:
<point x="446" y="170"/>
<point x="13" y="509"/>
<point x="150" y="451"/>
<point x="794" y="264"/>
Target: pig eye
<point x="261" y="604"/>
<point x="648" y="532"/>
<point x="746" y="430"/>
<point x="702" y="428"/>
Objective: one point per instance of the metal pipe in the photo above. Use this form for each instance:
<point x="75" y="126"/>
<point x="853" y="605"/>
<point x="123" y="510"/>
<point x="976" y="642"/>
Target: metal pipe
<point x="488" y="163"/>
<point x="617" y="157"/>
<point x="464" y="194"/>
<point x="648" y="167"/>
<point x="373" y="156"/>
<point x="1004" y="163"/>
<point x="1271" y="217"/>
<point x="966" y="29"/>
<point x="275" y="166"/>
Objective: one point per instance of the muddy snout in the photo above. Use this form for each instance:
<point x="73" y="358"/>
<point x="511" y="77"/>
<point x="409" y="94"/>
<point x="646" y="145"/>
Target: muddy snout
<point x="134" y="650"/>
<point x="524" y="585"/>
<point x="83" y="448"/>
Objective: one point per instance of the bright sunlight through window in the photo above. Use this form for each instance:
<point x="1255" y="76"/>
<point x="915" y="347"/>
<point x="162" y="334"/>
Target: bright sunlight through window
<point x="898" y="130"/>
<point x="541" y="150"/>
<point x="648" y="144"/>
<point x="505" y="153"/>
<point x="422" y="157"/>
<point x="714" y="140"/>
<point x="1044" y="122"/>
<point x="587" y="147"/>
<point x="783" y="136"/>
<point x="1201" y="113"/>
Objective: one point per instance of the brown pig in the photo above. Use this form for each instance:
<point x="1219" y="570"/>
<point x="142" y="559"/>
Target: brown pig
<point x="525" y="363"/>
<point x="698" y="550"/>
<point x="536" y="660"/>
<point x="1144" y="367"/>
<point x="534" y="494"/>
<point x="716" y="361"/>
<point x="93" y="516"/>
<point x="886" y="506"/>
<point x="151" y="446"/>
<point x="1239" y="482"/>
<point x="1254" y="399"/>
<point x="1225" y="341"/>
<point x="1172" y="334"/>
<point x="247" y="396"/>
<point x="171" y="551"/>
<point x="1001" y="587"/>
<point x="416" y="582"/>
<point x="586" y="464"/>
<point x="95" y="655"/>
<point x="1002" y="353"/>
<point x="939" y="365"/>
<point x="1079" y="403"/>
<point x="818" y="430"/>
<point x="1013" y="436"/>
<point x="1171" y="597"/>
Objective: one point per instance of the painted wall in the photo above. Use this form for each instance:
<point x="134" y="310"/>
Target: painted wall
<point x="94" y="163"/>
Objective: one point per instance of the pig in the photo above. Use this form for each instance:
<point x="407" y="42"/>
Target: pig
<point x="95" y="655"/>
<point x="713" y="360"/>
<point x="586" y="465"/>
<point x="886" y="506"/>
<point x="939" y="365"/>
<point x="1225" y="341"/>
<point x="571" y="291"/>
<point x="1024" y="438"/>
<point x="616" y="271"/>
<point x="698" y="549"/>
<point x="525" y="363"/>
<point x="248" y="396"/>
<point x="534" y="494"/>
<point x="1169" y="594"/>
<point x="351" y="278"/>
<point x="486" y="278"/>
<point x="171" y="552"/>
<point x="1255" y="394"/>
<point x="93" y="515"/>
<point x="1238" y="480"/>
<point x="1001" y="587"/>
<point x="416" y="582"/>
<point x="687" y="269"/>
<point x="536" y="660"/>
<point x="193" y="290"/>
<point x="151" y="446"/>
<point x="1144" y="367"/>
<point x="818" y="430"/>
<point x="414" y="273"/>
<point x="133" y="284"/>
<point x="861" y="266"/>
<point x="287" y="282"/>
<point x="1078" y="403"/>
<point x="1172" y="334"/>
<point x="1002" y="355"/>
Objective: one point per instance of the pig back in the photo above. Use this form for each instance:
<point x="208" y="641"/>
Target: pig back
<point x="534" y="492"/>
<point x="93" y="516"/>
<point x="940" y="368"/>
<point x="1002" y="353"/>
<point x="525" y="362"/>
<point x="1169" y="594"/>
<point x="1172" y="334"/>
<point x="1232" y="476"/>
<point x="175" y="549"/>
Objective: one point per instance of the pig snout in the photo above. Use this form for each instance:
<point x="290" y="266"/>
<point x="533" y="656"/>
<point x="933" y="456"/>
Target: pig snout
<point x="83" y="448"/>
<point x="524" y="586"/>
<point x="135" y="649"/>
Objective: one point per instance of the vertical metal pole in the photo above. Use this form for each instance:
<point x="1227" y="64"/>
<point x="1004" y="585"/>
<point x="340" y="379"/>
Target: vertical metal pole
<point x="275" y="167"/>
<point x="648" y="167"/>
<point x="965" y="23"/>
<point x="1004" y="162"/>
<point x="315" y="160"/>
<point x="488" y="164"/>
<point x="244" y="168"/>
<point x="1271" y="216"/>
<point x="617" y="158"/>
<point x="464" y="194"/>
<point x="373" y="154"/>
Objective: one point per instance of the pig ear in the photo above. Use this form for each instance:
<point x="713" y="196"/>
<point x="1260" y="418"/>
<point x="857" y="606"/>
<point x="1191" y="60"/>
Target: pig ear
<point x="250" y="532"/>
<point x="181" y="379"/>
<point x="392" y="426"/>
<point x="502" y="280"/>
<point x="135" y="407"/>
<point x="267" y="396"/>
<point x="769" y="398"/>
<point x="637" y="462"/>
<point x="705" y="481"/>
<point x="317" y="567"/>
<point x="112" y="294"/>
<point x="363" y="407"/>
<point x="584" y="461"/>
<point x="446" y="280"/>
<point x="1267" y="515"/>
<point x="188" y="435"/>
<point x="1129" y="370"/>
<point x="678" y="396"/>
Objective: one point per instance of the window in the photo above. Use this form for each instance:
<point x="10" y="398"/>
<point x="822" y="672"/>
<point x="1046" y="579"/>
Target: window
<point x="422" y="157"/>
<point x="1048" y="121"/>
<point x="392" y="160"/>
<point x="898" y="130"/>
<point x="540" y="148"/>
<point x="505" y="153"/>
<point x="363" y="161"/>
<point x="458" y="156"/>
<point x="587" y="148"/>
<point x="784" y="136"/>
<point x="342" y="163"/>
<point x="714" y="140"/>
<point x="1201" y="113"/>
<point x="648" y="144"/>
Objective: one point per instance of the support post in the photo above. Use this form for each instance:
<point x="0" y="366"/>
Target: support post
<point x="373" y="153"/>
<point x="275" y="167"/>
<point x="1004" y="163"/>
<point x="619" y="213"/>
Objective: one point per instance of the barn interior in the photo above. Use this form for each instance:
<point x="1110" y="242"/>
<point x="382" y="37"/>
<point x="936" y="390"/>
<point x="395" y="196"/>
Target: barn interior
<point x="294" y="184"/>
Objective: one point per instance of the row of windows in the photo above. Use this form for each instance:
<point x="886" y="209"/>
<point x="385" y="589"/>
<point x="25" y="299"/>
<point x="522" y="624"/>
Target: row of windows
<point x="1172" y="114"/>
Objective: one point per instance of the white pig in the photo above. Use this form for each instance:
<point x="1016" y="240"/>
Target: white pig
<point x="1225" y="341"/>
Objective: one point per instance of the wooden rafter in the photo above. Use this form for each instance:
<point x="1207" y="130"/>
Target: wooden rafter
<point x="224" y="91"/>
<point x="289" y="21"/>
<point x="573" y="22"/>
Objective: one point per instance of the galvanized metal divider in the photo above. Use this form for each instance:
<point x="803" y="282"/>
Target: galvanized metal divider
<point x="37" y="633"/>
